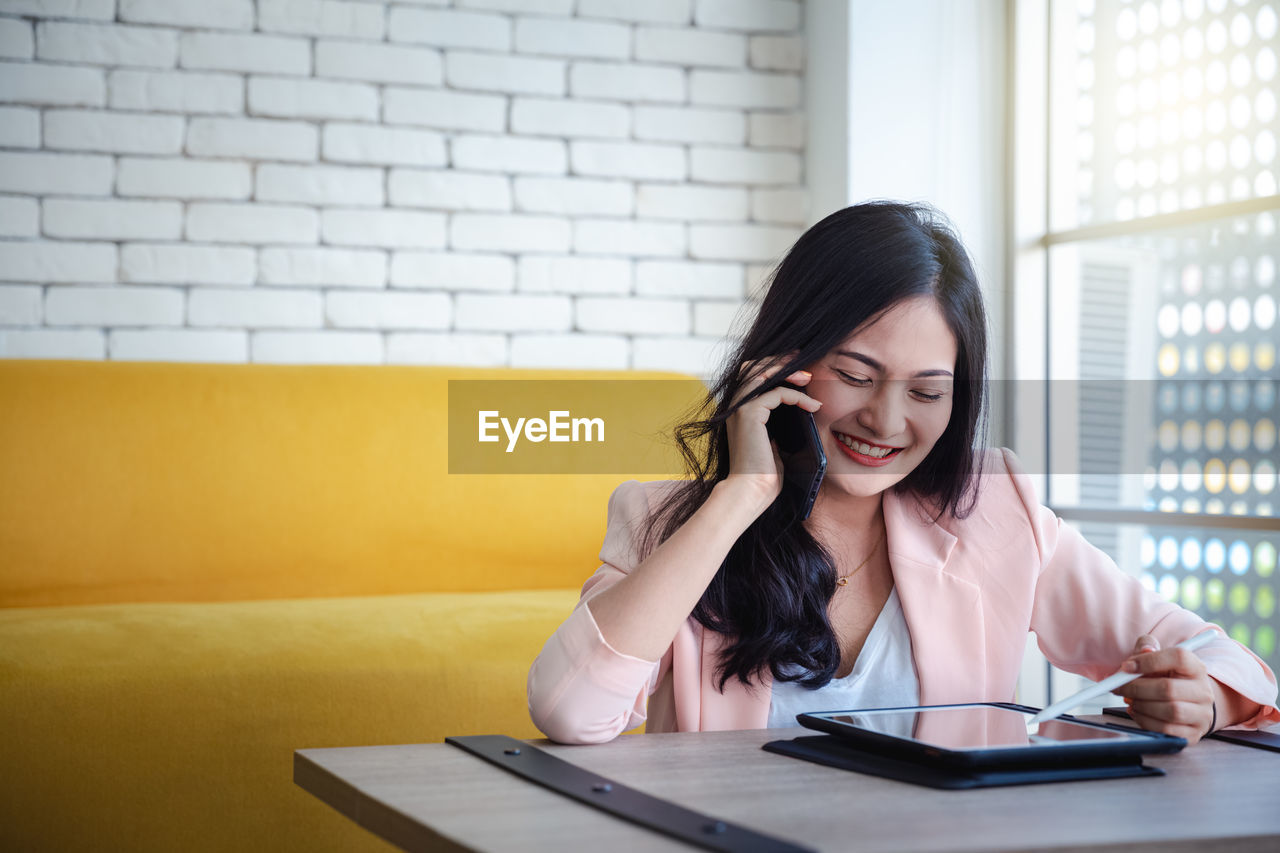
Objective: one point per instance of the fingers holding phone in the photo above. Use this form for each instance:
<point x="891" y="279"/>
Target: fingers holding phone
<point x="754" y="461"/>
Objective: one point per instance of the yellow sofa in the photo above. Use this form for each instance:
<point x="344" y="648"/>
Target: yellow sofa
<point x="205" y="567"/>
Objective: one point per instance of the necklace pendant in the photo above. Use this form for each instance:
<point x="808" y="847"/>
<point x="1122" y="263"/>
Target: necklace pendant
<point x="842" y="581"/>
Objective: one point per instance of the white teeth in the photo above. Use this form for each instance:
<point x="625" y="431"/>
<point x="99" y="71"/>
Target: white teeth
<point x="864" y="448"/>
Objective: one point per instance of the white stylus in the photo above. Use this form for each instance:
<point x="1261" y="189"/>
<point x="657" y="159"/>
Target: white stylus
<point x="1111" y="682"/>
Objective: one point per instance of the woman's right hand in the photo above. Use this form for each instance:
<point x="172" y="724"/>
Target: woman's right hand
<point x="754" y="464"/>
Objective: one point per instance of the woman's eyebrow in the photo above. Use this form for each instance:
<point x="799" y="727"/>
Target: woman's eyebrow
<point x="875" y="365"/>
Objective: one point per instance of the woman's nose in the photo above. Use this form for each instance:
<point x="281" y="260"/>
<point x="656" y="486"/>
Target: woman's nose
<point x="882" y="414"/>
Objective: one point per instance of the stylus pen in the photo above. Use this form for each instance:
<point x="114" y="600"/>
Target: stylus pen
<point x="1111" y="682"/>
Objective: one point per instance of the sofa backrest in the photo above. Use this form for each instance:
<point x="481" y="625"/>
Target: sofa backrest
<point x="124" y="481"/>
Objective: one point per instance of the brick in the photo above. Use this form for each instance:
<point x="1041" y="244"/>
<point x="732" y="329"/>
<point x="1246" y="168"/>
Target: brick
<point x="357" y="143"/>
<point x="744" y="89"/>
<point x="686" y="124"/>
<point x="253" y="138"/>
<point x="19" y="216"/>
<point x="107" y="44"/>
<point x="689" y="278"/>
<point x="571" y="274"/>
<point x="19" y="128"/>
<point x="323" y="267"/>
<point x="560" y="37"/>
<point x="63" y="85"/>
<point x="628" y="237"/>
<point x="777" y="53"/>
<point x="182" y="178"/>
<point x="646" y="161"/>
<point x="541" y="116"/>
<point x="255" y="308"/>
<point x="740" y="242"/>
<point x="175" y="92"/>
<point x="443" y="348"/>
<point x="450" y="28"/>
<point x="207" y="14"/>
<point x="510" y="154"/>
<point x="21" y="305"/>
<point x="16" y="39"/>
<point x="165" y="263"/>
<point x="255" y="224"/>
<point x="379" y="63"/>
<point x="684" y="46"/>
<point x="452" y="271"/>
<point x="789" y="206"/>
<point x="696" y="356"/>
<point x="102" y="10"/>
<point x="38" y="173"/>
<point x="752" y="15"/>
<point x="185" y="345"/>
<point x="485" y="312"/>
<point x="740" y="166"/>
<point x="388" y="310"/>
<point x="61" y="261"/>
<point x="449" y="190"/>
<point x="632" y="316"/>
<point x="690" y="202"/>
<point x="119" y="305"/>
<point x="507" y="74"/>
<point x="328" y="347"/>
<point x="322" y="18"/>
<point x="110" y="219"/>
<point x="574" y="196"/>
<point x="443" y="109"/>
<point x="314" y="184"/>
<point x="722" y="318"/>
<point x="123" y="133"/>
<point x="531" y="7"/>
<point x="80" y="344"/>
<point x="283" y="97"/>
<point x="612" y="81"/>
<point x="574" y="350"/>
<point x="395" y="229"/>
<point x="251" y="53"/>
<point x="651" y="11"/>
<point x="509" y="233"/>
<point x="759" y="277"/>
<point x="777" y="130"/>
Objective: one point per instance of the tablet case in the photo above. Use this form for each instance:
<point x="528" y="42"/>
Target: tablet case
<point x="836" y="752"/>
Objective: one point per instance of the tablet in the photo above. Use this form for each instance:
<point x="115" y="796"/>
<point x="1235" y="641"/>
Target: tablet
<point x="987" y="735"/>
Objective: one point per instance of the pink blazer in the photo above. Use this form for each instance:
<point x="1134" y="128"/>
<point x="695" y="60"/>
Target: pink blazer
<point x="970" y="589"/>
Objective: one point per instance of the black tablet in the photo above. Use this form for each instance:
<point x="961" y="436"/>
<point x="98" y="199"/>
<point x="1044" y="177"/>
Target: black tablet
<point x="987" y="735"/>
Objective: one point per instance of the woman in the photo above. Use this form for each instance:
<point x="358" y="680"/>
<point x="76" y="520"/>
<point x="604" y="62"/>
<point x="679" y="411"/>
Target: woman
<point x="923" y="564"/>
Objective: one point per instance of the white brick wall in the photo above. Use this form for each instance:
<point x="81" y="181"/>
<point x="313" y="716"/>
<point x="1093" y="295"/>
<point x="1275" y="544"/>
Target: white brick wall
<point x="481" y="182"/>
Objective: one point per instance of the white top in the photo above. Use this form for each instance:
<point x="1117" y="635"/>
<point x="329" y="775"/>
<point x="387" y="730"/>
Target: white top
<point x="884" y="676"/>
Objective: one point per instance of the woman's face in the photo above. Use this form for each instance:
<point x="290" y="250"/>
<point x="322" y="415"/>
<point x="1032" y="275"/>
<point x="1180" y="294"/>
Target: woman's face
<point x="886" y="394"/>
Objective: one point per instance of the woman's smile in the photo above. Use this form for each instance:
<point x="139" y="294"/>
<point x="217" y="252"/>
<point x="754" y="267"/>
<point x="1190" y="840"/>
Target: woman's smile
<point x="867" y="453"/>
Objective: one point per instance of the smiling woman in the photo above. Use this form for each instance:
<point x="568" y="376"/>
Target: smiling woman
<point x="719" y="606"/>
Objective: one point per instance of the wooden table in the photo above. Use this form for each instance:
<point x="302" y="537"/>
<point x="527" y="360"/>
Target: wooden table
<point x="1215" y="797"/>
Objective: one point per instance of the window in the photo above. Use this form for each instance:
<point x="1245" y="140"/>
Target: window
<point x="1145" y="289"/>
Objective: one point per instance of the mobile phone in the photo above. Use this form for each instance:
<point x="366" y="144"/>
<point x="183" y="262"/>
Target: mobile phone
<point x="804" y="463"/>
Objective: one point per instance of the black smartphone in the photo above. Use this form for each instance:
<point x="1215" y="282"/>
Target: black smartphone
<point x="803" y="461"/>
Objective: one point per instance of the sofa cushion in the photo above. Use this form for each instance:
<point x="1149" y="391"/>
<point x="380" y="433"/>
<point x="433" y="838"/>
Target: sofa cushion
<point x="150" y="481"/>
<point x="173" y="726"/>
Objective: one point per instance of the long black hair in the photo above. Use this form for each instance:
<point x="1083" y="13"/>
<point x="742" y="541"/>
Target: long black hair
<point x="771" y="593"/>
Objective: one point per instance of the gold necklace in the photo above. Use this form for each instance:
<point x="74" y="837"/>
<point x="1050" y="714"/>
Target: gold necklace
<point x="843" y="580"/>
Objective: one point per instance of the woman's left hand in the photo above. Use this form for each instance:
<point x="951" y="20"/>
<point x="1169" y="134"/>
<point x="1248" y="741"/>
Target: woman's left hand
<point x="1174" y="694"/>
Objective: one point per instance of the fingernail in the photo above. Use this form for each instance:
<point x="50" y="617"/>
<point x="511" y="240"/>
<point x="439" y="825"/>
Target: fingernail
<point x="1130" y="666"/>
<point x="806" y="374"/>
<point x="1146" y="649"/>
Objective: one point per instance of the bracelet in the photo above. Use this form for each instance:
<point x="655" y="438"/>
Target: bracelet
<point x="1213" y="723"/>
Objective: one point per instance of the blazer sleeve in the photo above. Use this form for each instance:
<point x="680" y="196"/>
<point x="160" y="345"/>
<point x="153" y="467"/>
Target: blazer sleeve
<point x="1087" y="613"/>
<point x="581" y="689"/>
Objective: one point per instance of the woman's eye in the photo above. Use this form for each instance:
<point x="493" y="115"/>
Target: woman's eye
<point x="928" y="396"/>
<point x="853" y="380"/>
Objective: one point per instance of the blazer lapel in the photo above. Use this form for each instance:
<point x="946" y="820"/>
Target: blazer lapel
<point x="943" y="611"/>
